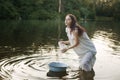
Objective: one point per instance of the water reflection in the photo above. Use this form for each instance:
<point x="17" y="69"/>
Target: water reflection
<point x="26" y="48"/>
<point x="35" y="66"/>
<point x="105" y="41"/>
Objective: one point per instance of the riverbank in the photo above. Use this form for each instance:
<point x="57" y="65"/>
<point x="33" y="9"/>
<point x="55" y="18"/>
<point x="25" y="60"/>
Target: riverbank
<point x="99" y="18"/>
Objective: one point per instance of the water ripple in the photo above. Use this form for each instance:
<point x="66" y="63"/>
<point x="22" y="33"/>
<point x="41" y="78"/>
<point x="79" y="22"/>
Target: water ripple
<point x="24" y="67"/>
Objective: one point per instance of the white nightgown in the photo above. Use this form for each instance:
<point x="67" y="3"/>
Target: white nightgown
<point x="85" y="50"/>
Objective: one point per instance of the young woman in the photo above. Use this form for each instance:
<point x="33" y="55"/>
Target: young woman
<point x="80" y="43"/>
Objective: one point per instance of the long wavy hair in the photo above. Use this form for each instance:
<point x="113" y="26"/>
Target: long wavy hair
<point x="75" y="25"/>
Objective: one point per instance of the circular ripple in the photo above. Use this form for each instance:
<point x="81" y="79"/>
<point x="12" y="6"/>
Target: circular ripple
<point x="30" y="67"/>
<point x="24" y="67"/>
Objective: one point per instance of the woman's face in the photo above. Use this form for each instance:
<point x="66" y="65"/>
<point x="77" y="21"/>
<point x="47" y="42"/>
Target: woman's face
<point x="68" y="20"/>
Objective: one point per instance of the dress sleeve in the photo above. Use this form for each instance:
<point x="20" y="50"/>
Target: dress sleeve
<point x="85" y="35"/>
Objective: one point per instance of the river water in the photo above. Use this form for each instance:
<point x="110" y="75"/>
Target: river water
<point x="27" y="47"/>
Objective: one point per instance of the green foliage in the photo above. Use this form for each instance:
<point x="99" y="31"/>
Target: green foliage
<point x="7" y="10"/>
<point x="48" y="9"/>
<point x="116" y="10"/>
<point x="108" y="8"/>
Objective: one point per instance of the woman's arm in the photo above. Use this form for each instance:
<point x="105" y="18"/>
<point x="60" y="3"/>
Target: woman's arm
<point x="65" y="42"/>
<point x="76" y="41"/>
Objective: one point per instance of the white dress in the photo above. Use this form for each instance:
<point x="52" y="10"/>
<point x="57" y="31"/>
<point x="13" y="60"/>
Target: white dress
<point x="85" y="50"/>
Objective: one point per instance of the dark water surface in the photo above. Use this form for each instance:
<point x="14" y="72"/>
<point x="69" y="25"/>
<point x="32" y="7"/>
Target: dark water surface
<point x="27" y="47"/>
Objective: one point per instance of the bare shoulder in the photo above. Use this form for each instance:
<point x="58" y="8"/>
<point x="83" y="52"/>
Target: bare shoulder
<point x="75" y="32"/>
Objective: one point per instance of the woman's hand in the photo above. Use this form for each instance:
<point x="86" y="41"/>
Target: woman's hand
<point x="64" y="50"/>
<point x="62" y="42"/>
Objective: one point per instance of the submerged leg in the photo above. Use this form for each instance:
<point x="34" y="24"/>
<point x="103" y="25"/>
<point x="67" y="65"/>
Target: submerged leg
<point x="88" y="75"/>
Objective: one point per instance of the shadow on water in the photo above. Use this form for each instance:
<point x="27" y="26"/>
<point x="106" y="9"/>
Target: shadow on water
<point x="21" y="35"/>
<point x="26" y="47"/>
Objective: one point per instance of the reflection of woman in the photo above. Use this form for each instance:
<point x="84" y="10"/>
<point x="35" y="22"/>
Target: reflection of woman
<point x="80" y="43"/>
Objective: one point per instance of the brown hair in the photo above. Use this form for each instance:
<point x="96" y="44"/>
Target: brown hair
<point x="75" y="25"/>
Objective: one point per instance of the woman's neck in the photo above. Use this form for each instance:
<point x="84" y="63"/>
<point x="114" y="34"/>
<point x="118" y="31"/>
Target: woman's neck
<point x="68" y="26"/>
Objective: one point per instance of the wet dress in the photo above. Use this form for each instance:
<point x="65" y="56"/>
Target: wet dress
<point x="85" y="50"/>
